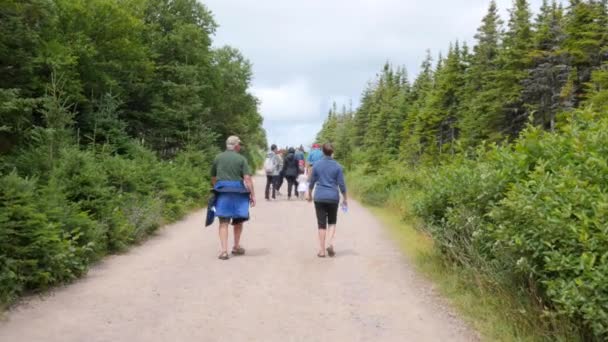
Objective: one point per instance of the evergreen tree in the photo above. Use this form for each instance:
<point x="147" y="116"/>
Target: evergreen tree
<point x="584" y="36"/>
<point x="514" y="63"/>
<point x="328" y="130"/>
<point x="361" y="119"/>
<point x="437" y="122"/>
<point x="411" y="147"/>
<point x="549" y="68"/>
<point x="483" y="116"/>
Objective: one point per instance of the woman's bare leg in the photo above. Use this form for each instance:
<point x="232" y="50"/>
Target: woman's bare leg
<point x="331" y="232"/>
<point x="322" y="233"/>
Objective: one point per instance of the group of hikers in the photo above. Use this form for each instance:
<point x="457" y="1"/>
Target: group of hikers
<point x="317" y="178"/>
<point x="291" y="165"/>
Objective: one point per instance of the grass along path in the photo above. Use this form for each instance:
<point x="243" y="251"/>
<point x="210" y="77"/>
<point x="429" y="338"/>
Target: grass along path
<point x="488" y="310"/>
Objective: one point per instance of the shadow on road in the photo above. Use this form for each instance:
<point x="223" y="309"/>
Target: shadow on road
<point x="345" y="253"/>
<point x="257" y="252"/>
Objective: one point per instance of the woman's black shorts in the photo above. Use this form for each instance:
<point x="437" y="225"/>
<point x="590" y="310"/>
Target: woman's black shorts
<point x="327" y="213"/>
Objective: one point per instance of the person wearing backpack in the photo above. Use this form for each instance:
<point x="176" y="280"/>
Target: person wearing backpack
<point x="290" y="170"/>
<point x="272" y="167"/>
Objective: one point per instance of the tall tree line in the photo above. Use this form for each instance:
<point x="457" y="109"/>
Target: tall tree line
<point x="123" y="69"/>
<point x="527" y="70"/>
<point x="111" y="112"/>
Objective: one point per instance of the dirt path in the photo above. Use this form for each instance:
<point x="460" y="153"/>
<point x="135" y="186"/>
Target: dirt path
<point x="174" y="289"/>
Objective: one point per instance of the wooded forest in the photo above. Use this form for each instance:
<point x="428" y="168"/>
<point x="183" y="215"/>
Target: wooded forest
<point x="499" y="151"/>
<point x="111" y="112"/>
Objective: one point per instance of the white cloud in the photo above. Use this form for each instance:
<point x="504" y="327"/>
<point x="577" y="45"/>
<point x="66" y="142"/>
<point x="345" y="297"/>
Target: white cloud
<point x="292" y="134"/>
<point x="292" y="101"/>
<point x="292" y="112"/>
<point x="306" y="53"/>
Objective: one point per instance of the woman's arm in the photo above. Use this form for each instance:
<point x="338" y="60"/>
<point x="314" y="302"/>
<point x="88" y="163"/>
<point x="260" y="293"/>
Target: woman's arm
<point x="342" y="186"/>
<point x="311" y="184"/>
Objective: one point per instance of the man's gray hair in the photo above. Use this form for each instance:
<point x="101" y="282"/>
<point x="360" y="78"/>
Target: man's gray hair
<point x="231" y="142"/>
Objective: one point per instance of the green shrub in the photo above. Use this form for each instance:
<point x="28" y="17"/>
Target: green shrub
<point x="532" y="217"/>
<point x="554" y="223"/>
<point x="35" y="251"/>
<point x="533" y="214"/>
<point x="85" y="204"/>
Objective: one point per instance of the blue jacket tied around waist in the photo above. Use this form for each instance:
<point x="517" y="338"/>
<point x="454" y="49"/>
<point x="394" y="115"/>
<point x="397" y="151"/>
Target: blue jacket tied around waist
<point x="231" y="199"/>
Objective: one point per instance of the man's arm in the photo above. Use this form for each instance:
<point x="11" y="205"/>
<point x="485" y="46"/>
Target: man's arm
<point x="214" y="172"/>
<point x="249" y="185"/>
<point x="248" y="181"/>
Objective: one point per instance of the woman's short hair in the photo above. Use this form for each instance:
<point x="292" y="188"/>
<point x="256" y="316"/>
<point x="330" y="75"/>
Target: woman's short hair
<point x="328" y="150"/>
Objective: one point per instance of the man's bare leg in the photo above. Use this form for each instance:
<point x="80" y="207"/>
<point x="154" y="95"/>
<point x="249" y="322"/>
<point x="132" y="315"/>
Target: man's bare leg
<point x="238" y="230"/>
<point x="224" y="236"/>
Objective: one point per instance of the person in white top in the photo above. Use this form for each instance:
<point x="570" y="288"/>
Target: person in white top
<point x="303" y="183"/>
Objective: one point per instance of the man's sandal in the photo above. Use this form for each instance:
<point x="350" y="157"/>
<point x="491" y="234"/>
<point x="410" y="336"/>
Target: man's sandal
<point x="321" y="255"/>
<point x="238" y="251"/>
<point x="330" y="251"/>
<point x="224" y="256"/>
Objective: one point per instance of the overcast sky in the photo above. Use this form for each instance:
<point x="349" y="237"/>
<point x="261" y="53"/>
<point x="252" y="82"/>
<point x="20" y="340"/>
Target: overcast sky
<point x="308" y="53"/>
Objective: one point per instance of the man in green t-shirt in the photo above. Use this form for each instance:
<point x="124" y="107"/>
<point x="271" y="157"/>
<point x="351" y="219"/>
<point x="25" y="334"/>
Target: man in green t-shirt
<point x="232" y="182"/>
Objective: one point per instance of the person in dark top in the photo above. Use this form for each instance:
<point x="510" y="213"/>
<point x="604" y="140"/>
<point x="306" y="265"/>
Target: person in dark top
<point x="272" y="167"/>
<point x="281" y="176"/>
<point x="291" y="170"/>
<point x="327" y="180"/>
<point x="232" y="183"/>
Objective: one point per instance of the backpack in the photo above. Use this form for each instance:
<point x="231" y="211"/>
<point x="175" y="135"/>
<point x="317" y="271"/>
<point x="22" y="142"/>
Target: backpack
<point x="301" y="166"/>
<point x="269" y="164"/>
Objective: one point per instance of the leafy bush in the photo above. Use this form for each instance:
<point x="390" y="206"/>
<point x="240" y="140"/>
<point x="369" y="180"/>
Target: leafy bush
<point x="36" y="251"/>
<point x="538" y="211"/>
<point x="87" y="203"/>
<point x="532" y="216"/>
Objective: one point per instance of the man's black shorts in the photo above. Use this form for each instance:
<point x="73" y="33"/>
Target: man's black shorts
<point x="327" y="214"/>
<point x="233" y="221"/>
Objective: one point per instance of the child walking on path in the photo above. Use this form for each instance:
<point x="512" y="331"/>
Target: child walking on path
<point x="302" y="184"/>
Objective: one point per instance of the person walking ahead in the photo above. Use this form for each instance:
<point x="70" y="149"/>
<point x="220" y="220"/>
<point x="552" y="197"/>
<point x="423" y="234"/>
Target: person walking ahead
<point x="290" y="170"/>
<point x="272" y="166"/>
<point x="327" y="180"/>
<point x="231" y="179"/>
<point x="315" y="155"/>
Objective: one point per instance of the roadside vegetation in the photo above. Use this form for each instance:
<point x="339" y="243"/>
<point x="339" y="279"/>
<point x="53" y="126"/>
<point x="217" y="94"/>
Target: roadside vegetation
<point x="497" y="154"/>
<point x="110" y="115"/>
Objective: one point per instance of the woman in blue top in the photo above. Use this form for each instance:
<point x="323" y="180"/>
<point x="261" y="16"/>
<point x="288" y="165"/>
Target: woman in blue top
<point x="328" y="178"/>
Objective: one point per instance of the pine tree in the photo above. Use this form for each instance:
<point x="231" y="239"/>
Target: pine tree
<point x="597" y="88"/>
<point x="514" y="63"/>
<point x="361" y="120"/>
<point x="328" y="130"/>
<point x="392" y="114"/>
<point x="411" y="148"/>
<point x="549" y="68"/>
<point x="585" y="32"/>
<point x="374" y="138"/>
<point x="483" y="114"/>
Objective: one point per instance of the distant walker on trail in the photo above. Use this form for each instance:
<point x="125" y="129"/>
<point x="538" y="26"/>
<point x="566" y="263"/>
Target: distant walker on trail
<point x="291" y="170"/>
<point x="233" y="185"/>
<point x="272" y="167"/>
<point x="314" y="156"/>
<point x="327" y="181"/>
